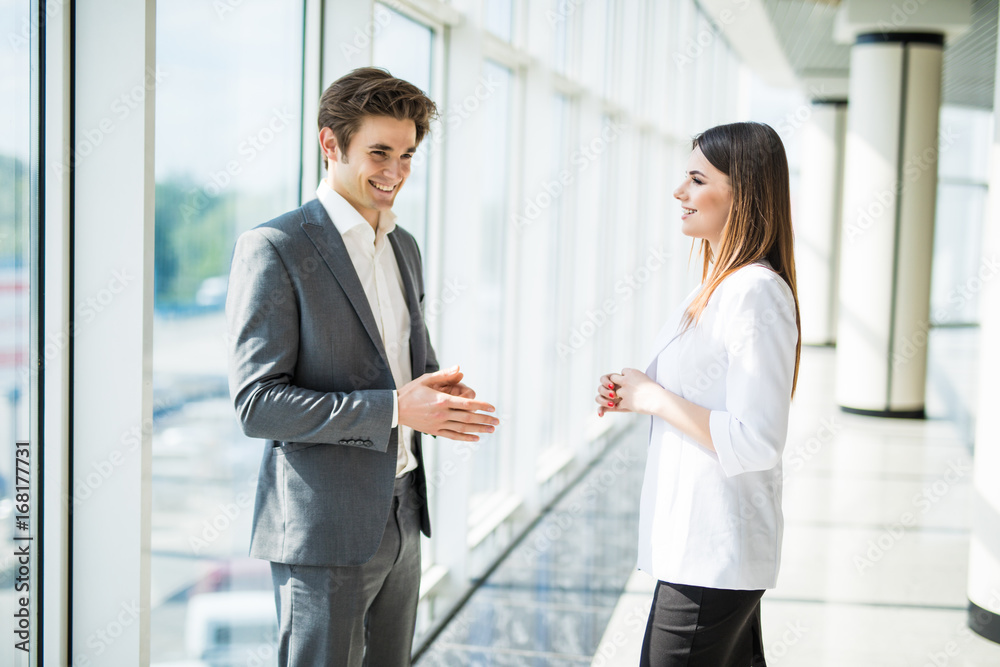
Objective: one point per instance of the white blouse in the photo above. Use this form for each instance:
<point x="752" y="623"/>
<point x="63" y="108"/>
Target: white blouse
<point x="713" y="519"/>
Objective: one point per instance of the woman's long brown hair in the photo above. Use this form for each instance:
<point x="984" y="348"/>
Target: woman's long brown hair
<point x="760" y="218"/>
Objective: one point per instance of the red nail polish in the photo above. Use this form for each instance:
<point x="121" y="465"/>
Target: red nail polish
<point x="611" y="386"/>
<point x="611" y="394"/>
<point x="610" y="404"/>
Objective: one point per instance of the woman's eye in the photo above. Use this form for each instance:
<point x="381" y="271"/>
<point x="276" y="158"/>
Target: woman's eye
<point x="697" y="180"/>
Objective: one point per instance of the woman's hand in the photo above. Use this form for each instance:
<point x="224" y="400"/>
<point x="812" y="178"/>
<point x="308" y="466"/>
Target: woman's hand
<point x="607" y="396"/>
<point x="634" y="392"/>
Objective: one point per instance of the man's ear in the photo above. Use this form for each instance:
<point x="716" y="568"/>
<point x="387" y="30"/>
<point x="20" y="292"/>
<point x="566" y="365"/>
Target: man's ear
<point x="328" y="146"/>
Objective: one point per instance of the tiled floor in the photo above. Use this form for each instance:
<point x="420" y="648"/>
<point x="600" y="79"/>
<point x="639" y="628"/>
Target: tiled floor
<point x="874" y="560"/>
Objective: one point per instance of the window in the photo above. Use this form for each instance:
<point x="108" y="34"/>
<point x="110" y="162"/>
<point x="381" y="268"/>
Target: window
<point x="227" y="158"/>
<point x="498" y="18"/>
<point x="18" y="217"/>
<point x="489" y="316"/>
<point x="963" y="175"/>
<point x="405" y="48"/>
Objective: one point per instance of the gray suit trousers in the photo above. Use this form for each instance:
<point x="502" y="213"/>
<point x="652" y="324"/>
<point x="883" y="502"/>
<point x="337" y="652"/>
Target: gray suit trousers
<point x="356" y="616"/>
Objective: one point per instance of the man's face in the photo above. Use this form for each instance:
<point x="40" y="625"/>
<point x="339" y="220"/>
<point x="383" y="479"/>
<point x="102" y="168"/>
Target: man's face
<point x="375" y="166"/>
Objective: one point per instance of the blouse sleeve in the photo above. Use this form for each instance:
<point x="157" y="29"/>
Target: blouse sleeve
<point x="760" y="337"/>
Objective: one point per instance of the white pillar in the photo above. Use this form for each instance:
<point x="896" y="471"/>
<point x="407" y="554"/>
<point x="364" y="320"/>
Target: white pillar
<point x="115" y="74"/>
<point x="984" y="548"/>
<point x="817" y="226"/>
<point x="890" y="186"/>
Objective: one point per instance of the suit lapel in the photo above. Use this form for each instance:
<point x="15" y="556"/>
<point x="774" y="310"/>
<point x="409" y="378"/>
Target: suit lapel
<point x="418" y="354"/>
<point x="330" y="245"/>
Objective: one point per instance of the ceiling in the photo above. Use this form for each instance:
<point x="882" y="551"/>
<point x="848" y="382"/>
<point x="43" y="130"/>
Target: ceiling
<point x="804" y="30"/>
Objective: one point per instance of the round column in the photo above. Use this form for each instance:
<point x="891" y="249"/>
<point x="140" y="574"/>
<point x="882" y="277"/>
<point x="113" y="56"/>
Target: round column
<point x="817" y="225"/>
<point x="887" y="234"/>
<point x="984" y="546"/>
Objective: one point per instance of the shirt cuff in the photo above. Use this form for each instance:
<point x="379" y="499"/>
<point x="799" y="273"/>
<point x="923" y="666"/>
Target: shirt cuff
<point x="395" y="408"/>
<point x="718" y="426"/>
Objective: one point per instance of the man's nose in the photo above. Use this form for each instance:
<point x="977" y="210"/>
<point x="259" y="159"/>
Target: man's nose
<point x="394" y="167"/>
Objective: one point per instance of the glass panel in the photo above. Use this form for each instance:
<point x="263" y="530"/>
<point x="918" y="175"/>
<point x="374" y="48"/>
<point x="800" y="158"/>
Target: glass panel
<point x="18" y="215"/>
<point x="631" y="40"/>
<point x="593" y="60"/>
<point x="965" y="139"/>
<point x="227" y="158"/>
<point x="955" y="282"/>
<point x="405" y="47"/>
<point x="495" y="185"/>
<point x="498" y="18"/>
<point x="553" y="267"/>
<point x="560" y="20"/>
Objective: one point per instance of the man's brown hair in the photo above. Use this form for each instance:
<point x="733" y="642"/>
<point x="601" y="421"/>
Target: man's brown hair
<point x="370" y="91"/>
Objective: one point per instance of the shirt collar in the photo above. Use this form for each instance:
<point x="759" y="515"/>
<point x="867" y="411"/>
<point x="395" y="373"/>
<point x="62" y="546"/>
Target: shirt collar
<point x="345" y="217"/>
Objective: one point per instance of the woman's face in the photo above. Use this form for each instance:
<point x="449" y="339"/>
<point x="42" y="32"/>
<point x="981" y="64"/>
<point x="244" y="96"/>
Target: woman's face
<point x="706" y="197"/>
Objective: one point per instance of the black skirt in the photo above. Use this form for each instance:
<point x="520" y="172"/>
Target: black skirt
<point x="692" y="626"/>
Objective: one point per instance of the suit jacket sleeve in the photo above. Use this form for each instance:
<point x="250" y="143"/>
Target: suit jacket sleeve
<point x="761" y="334"/>
<point x="262" y="312"/>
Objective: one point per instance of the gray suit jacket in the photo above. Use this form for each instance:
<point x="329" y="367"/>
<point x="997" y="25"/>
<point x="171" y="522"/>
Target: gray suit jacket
<point x="308" y="373"/>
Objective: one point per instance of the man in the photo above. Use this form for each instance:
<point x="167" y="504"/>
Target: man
<point x="326" y="331"/>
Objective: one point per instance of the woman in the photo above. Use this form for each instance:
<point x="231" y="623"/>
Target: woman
<point x="719" y="390"/>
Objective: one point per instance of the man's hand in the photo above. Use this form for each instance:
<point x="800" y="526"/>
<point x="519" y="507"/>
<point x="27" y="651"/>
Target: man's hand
<point x="439" y="404"/>
<point x="449" y="381"/>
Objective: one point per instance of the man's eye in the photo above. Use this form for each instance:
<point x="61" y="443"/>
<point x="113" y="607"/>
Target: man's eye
<point x="379" y="153"/>
<point x="407" y="156"/>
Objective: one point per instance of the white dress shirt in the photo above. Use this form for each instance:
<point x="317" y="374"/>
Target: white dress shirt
<point x="714" y="519"/>
<point x="375" y="263"/>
